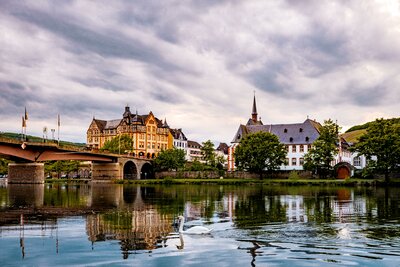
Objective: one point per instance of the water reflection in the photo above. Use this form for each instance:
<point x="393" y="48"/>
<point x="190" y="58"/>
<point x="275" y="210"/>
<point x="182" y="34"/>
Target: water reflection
<point x="290" y="222"/>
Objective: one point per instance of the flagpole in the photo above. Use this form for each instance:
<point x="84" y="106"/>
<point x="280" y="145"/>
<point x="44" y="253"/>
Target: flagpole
<point x="58" y="132"/>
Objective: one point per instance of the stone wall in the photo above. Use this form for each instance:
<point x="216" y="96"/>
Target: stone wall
<point x="232" y="175"/>
<point x="26" y="173"/>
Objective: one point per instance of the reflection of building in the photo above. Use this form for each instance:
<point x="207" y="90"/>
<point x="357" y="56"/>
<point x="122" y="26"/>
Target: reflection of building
<point x="137" y="230"/>
<point x="294" y="208"/>
<point x="149" y="134"/>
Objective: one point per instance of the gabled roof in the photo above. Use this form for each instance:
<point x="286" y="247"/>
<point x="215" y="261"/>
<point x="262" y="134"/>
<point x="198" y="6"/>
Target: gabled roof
<point x="177" y="133"/>
<point x="223" y="147"/>
<point x="100" y="124"/>
<point x="194" y="144"/>
<point x="296" y="133"/>
<point x="112" y="124"/>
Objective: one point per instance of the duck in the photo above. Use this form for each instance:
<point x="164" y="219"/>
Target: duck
<point x="195" y="230"/>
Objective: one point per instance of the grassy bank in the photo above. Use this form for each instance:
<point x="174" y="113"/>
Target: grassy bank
<point x="235" y="181"/>
<point x="327" y="182"/>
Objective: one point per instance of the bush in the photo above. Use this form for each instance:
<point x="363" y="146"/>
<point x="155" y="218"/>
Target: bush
<point x="293" y="175"/>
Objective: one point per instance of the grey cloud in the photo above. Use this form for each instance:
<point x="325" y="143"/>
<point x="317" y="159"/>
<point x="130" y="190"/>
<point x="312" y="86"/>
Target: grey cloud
<point x="366" y="97"/>
<point x="107" y="44"/>
<point x="102" y="83"/>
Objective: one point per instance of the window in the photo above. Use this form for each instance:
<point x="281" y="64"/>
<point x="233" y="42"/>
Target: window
<point x="287" y="162"/>
<point x="301" y="161"/>
<point x="357" y="161"/>
<point x="294" y="149"/>
<point x="301" y="130"/>
<point x="294" y="161"/>
<point x="287" y="149"/>
<point x="301" y="148"/>
<point x="285" y="130"/>
<point x="291" y="139"/>
<point x="307" y="138"/>
<point x="308" y="147"/>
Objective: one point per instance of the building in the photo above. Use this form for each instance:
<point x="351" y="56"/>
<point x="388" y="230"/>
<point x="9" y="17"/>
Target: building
<point x="297" y="137"/>
<point x="222" y="151"/>
<point x="179" y="140"/>
<point x="149" y="134"/>
<point x="194" y="151"/>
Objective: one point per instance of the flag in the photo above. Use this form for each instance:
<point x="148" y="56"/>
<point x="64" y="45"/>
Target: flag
<point x="23" y="122"/>
<point x="26" y="114"/>
<point x="58" y="120"/>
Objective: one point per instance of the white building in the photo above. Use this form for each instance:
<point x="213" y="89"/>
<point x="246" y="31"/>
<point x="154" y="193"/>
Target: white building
<point x="297" y="137"/>
<point x="180" y="141"/>
<point x="194" y="151"/>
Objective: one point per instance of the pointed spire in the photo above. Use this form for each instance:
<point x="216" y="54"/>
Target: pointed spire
<point x="165" y="123"/>
<point x="254" y="112"/>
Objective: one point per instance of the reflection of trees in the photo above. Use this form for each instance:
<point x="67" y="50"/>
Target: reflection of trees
<point x="64" y="195"/>
<point x="258" y="209"/>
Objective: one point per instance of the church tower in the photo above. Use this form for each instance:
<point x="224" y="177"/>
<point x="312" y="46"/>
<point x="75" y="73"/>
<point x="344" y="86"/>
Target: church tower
<point x="254" y="112"/>
<point x="253" y="120"/>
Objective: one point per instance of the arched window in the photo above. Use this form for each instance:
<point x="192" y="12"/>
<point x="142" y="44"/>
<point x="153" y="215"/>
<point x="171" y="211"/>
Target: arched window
<point x="291" y="139"/>
<point x="307" y="139"/>
<point x="301" y="130"/>
<point x="285" y="130"/>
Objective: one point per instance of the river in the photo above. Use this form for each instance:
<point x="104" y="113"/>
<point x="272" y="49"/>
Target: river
<point x="131" y="225"/>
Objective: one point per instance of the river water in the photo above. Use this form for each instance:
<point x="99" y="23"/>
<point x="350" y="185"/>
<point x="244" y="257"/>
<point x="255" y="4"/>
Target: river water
<point x="121" y="225"/>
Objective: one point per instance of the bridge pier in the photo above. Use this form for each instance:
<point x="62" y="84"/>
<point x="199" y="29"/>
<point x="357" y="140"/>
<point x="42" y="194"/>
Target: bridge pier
<point x="105" y="172"/>
<point x="26" y="173"/>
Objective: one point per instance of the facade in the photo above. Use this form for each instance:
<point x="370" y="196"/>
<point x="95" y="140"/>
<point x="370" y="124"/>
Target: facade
<point x="149" y="134"/>
<point x="194" y="151"/>
<point x="297" y="137"/>
<point x="179" y="140"/>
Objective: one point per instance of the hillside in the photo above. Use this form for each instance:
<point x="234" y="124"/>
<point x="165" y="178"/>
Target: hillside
<point x="17" y="136"/>
<point x="353" y="136"/>
<point x="366" y="125"/>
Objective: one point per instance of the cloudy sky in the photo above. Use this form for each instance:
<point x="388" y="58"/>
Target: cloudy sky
<point x="197" y="63"/>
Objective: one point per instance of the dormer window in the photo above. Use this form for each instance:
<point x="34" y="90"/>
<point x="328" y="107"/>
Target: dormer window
<point x="291" y="139"/>
<point x="238" y="136"/>
<point x="307" y="139"/>
<point x="301" y="130"/>
<point x="285" y="130"/>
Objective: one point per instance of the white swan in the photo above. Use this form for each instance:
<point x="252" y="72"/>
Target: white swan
<point x="195" y="230"/>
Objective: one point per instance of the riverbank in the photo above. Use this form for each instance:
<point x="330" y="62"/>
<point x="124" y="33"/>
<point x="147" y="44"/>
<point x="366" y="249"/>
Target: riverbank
<point x="288" y="182"/>
<point x="230" y="181"/>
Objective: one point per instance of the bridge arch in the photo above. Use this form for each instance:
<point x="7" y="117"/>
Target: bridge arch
<point x="147" y="171"/>
<point x="130" y="170"/>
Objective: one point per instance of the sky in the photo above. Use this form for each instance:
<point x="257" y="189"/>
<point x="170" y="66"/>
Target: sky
<point x="197" y="63"/>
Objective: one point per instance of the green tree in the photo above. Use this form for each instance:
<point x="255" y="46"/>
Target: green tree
<point x="61" y="166"/>
<point x="208" y="153"/>
<point x="170" y="159"/>
<point x="323" y="150"/>
<point x="4" y="166"/>
<point x="260" y="151"/>
<point x="382" y="141"/>
<point x="119" y="144"/>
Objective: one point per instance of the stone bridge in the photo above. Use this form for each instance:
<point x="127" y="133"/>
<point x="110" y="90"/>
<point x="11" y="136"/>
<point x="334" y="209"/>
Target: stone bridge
<point x="29" y="160"/>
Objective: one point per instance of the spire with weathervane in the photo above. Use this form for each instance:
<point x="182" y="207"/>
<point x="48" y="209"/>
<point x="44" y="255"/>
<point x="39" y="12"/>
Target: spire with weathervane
<point x="253" y="120"/>
<point x="254" y="112"/>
